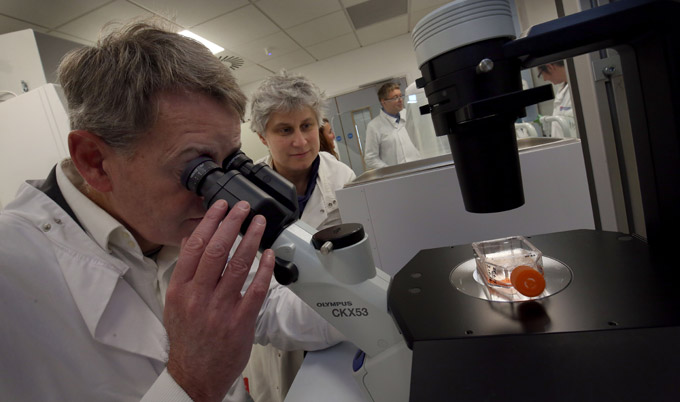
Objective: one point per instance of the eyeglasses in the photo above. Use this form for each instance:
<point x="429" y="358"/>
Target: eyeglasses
<point x="394" y="99"/>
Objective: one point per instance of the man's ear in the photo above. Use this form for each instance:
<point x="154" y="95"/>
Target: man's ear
<point x="263" y="140"/>
<point x="88" y="153"/>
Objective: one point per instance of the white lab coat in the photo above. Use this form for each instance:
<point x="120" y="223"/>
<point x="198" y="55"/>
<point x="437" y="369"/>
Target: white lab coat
<point x="322" y="209"/>
<point x="562" y="108"/>
<point x="73" y="330"/>
<point x="270" y="371"/>
<point x="388" y="142"/>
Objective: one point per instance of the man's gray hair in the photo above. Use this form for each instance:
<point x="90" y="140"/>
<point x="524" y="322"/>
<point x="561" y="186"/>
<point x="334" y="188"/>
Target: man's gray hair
<point x="284" y="92"/>
<point x="112" y="87"/>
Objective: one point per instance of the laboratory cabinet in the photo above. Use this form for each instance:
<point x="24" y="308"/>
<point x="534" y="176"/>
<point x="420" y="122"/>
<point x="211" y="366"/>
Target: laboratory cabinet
<point x="34" y="129"/>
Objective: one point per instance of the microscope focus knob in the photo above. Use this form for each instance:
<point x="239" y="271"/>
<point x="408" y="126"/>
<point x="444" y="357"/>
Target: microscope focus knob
<point x="285" y="272"/>
<point x="340" y="236"/>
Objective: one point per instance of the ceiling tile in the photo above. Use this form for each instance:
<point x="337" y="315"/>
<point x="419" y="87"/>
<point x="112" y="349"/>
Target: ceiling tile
<point x="250" y="72"/>
<point x="71" y="38"/>
<point x="383" y="30"/>
<point x="11" y="25"/>
<point x="278" y="43"/>
<point x="89" y="26"/>
<point x="431" y="4"/>
<point x="190" y="13"/>
<point x="321" y="29"/>
<point x="236" y="28"/>
<point x="49" y="14"/>
<point x="289" y="61"/>
<point x="334" y="46"/>
<point x="372" y="12"/>
<point x="288" y="13"/>
<point x="350" y="3"/>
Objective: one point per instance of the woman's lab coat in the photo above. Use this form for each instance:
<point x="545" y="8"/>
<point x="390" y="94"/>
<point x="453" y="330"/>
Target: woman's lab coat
<point x="322" y="208"/>
<point x="73" y="330"/>
<point x="270" y="371"/>
<point x="388" y="142"/>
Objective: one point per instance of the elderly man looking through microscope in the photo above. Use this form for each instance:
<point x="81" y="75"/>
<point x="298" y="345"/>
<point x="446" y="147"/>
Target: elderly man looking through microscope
<point x="387" y="141"/>
<point x="286" y="114"/>
<point x="116" y="283"/>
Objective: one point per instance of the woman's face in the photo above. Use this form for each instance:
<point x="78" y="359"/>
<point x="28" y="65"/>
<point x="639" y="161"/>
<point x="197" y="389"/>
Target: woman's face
<point x="293" y="141"/>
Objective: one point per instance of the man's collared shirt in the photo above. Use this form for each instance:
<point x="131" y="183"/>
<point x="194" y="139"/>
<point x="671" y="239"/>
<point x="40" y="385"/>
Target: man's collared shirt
<point x="149" y="277"/>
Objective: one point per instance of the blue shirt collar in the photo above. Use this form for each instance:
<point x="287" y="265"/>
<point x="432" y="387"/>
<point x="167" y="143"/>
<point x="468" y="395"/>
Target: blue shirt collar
<point x="396" y="116"/>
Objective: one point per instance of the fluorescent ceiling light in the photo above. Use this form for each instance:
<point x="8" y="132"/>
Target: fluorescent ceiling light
<point x="211" y="46"/>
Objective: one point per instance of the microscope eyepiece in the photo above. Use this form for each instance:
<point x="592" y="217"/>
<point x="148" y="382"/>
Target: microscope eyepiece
<point x="235" y="160"/>
<point x="196" y="171"/>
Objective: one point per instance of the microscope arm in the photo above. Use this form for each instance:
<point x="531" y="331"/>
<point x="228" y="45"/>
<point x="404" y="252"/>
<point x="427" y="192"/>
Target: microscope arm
<point x="337" y="278"/>
<point x="342" y="285"/>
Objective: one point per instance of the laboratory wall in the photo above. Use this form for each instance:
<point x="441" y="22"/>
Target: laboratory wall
<point x="532" y="12"/>
<point x="251" y="144"/>
<point x="52" y="49"/>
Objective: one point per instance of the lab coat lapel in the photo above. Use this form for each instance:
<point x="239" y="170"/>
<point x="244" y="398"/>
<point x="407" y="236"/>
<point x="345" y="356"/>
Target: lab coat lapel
<point x="316" y="211"/>
<point x="402" y="135"/>
<point x="113" y="312"/>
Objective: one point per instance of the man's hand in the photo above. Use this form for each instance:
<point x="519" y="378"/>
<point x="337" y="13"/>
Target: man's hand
<point x="210" y="325"/>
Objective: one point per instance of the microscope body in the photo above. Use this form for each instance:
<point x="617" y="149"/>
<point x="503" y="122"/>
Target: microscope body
<point x="331" y="270"/>
<point x="343" y="285"/>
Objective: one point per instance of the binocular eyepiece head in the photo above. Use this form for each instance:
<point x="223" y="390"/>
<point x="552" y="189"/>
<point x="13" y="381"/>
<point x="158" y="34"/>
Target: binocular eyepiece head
<point x="238" y="179"/>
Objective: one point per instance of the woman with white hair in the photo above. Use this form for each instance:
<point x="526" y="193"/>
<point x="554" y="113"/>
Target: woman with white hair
<point x="286" y="114"/>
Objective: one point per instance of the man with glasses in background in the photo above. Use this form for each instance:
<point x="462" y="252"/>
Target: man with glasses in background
<point x="387" y="141"/>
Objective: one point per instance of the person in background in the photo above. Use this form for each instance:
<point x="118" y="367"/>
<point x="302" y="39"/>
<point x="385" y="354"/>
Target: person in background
<point x="327" y="138"/>
<point x="556" y="74"/>
<point x="387" y="141"/>
<point x="116" y="283"/>
<point x="286" y="115"/>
